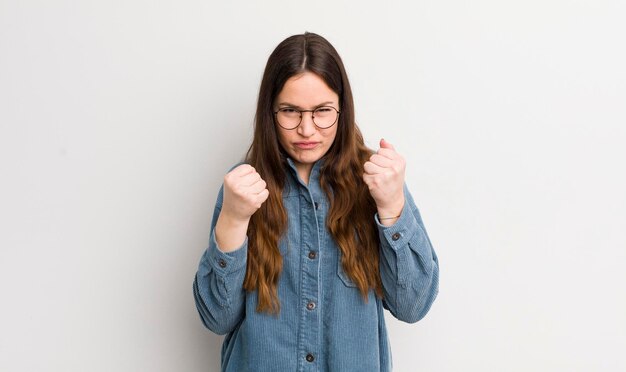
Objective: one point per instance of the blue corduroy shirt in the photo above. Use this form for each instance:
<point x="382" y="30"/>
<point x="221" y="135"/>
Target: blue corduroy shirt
<point x="324" y="323"/>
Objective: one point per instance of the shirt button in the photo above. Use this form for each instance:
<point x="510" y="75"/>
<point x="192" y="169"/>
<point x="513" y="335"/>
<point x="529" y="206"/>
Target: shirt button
<point x="310" y="358"/>
<point x="395" y="236"/>
<point x="222" y="263"/>
<point x="312" y="255"/>
<point x="310" y="305"/>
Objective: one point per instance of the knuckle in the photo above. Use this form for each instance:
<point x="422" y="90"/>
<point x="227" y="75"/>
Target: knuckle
<point x="239" y="189"/>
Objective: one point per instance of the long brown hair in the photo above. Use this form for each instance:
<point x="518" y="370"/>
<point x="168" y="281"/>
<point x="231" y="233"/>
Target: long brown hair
<point x="350" y="219"/>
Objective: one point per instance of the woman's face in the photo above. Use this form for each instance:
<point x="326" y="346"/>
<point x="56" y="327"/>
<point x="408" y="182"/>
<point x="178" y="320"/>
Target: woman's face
<point x="307" y="143"/>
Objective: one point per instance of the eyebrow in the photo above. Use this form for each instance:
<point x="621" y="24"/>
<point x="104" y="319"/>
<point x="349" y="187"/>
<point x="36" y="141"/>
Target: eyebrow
<point x="287" y="104"/>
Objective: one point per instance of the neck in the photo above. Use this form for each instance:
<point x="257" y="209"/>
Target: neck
<point x="304" y="172"/>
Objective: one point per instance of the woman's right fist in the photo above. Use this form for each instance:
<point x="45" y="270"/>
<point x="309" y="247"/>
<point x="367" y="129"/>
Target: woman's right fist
<point x="244" y="192"/>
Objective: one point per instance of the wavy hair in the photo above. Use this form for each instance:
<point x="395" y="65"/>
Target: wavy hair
<point x="350" y="218"/>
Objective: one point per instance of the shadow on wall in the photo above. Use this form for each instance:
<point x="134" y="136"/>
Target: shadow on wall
<point x="213" y="346"/>
<point x="207" y="353"/>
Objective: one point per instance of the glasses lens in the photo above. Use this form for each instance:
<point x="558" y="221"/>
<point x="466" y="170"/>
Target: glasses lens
<point x="288" y="118"/>
<point x="325" y="117"/>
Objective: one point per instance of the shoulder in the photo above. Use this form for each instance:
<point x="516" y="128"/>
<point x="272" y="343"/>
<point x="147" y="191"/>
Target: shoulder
<point x="237" y="165"/>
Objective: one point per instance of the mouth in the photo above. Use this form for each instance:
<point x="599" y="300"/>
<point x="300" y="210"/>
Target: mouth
<point x="306" y="145"/>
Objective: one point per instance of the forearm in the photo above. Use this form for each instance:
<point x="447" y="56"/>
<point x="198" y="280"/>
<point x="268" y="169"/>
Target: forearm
<point x="218" y="287"/>
<point x="388" y="215"/>
<point x="409" y="267"/>
<point x="218" y="283"/>
<point x="230" y="233"/>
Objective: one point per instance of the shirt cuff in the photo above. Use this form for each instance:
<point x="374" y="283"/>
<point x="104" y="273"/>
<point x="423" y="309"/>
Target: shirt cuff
<point x="399" y="234"/>
<point x="227" y="262"/>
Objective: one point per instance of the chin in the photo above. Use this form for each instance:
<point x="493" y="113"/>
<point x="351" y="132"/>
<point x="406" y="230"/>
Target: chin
<point x="305" y="156"/>
<point x="306" y="160"/>
<point x="312" y="158"/>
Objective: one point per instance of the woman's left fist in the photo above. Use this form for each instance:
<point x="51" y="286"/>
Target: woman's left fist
<point x="384" y="176"/>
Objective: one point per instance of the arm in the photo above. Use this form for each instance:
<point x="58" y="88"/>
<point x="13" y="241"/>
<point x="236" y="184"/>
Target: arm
<point x="409" y="267"/>
<point x="218" y="285"/>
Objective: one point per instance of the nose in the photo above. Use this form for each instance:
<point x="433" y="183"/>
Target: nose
<point x="307" y="127"/>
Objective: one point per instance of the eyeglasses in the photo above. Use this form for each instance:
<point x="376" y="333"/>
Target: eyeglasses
<point x="290" y="118"/>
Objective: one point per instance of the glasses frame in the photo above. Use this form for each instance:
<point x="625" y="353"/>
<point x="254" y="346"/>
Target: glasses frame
<point x="312" y="116"/>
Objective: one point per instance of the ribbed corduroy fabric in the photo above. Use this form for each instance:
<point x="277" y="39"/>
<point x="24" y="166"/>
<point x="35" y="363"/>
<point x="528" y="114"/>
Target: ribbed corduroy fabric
<point x="324" y="323"/>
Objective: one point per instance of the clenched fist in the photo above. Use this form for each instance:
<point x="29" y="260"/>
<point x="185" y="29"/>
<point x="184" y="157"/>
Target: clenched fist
<point x="244" y="192"/>
<point x="384" y="176"/>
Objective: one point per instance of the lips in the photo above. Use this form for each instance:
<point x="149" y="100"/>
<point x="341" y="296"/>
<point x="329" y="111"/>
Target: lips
<point x="306" y="145"/>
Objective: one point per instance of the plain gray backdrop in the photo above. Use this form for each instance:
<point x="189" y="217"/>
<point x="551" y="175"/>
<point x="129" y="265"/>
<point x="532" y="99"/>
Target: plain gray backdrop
<point x="118" y="120"/>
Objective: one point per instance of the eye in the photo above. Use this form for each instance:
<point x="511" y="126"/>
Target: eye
<point x="324" y="110"/>
<point x="288" y="110"/>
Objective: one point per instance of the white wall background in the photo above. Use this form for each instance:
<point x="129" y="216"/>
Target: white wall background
<point x="119" y="118"/>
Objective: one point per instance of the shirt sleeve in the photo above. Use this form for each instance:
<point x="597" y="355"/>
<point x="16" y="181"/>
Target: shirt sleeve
<point x="218" y="284"/>
<point x="409" y="267"/>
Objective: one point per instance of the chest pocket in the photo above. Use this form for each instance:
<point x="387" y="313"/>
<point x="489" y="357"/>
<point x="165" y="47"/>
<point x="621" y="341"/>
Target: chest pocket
<point x="342" y="274"/>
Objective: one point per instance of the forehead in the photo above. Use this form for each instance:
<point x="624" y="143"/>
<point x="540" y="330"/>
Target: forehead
<point x="306" y="89"/>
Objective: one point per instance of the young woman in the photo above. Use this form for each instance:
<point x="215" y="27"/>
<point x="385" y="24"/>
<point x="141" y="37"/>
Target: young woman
<point x="315" y="235"/>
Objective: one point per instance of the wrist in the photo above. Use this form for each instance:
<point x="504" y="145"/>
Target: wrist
<point x="230" y="232"/>
<point x="234" y="219"/>
<point x="392" y="210"/>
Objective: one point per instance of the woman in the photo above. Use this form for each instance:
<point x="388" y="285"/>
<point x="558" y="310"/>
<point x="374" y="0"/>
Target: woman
<point x="315" y="234"/>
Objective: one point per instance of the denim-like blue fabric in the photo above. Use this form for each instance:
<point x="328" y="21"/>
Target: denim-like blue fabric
<point x="324" y="323"/>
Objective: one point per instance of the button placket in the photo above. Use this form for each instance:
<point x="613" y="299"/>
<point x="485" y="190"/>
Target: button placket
<point x="309" y="333"/>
